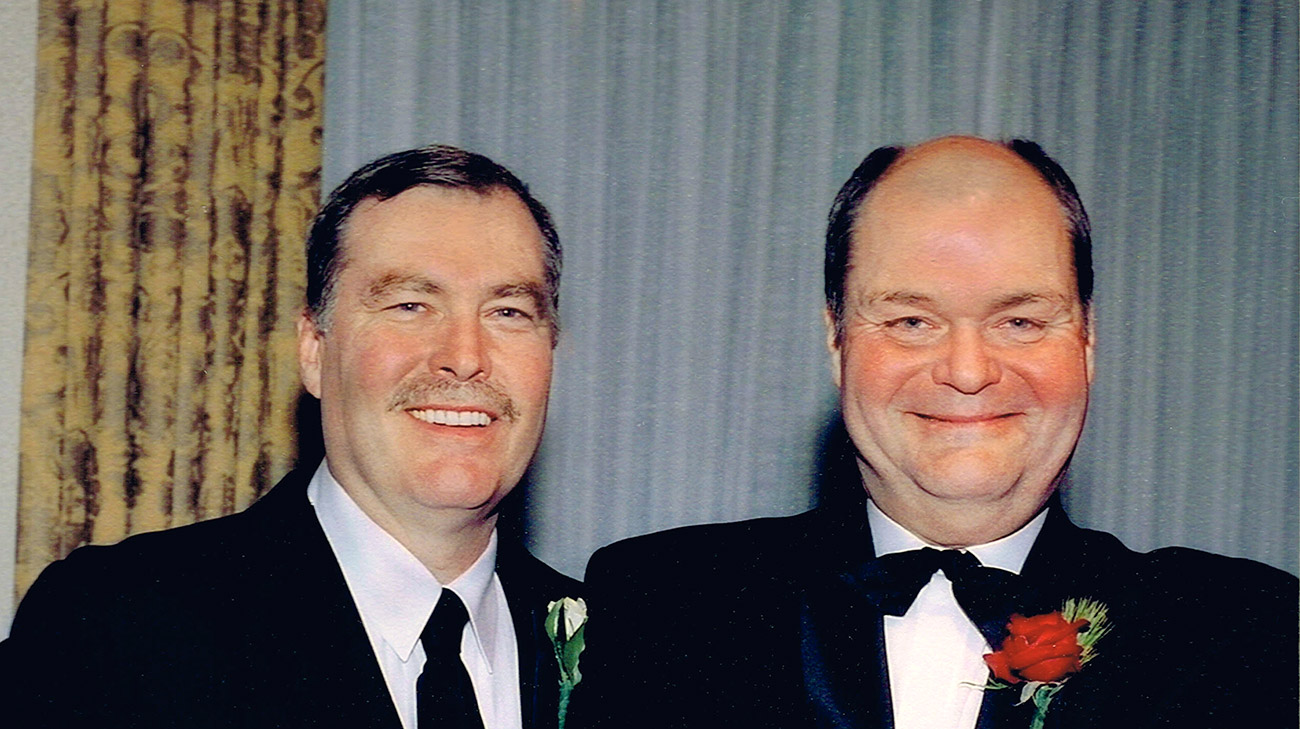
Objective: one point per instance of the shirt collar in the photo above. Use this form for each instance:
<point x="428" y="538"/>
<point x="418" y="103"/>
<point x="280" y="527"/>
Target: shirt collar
<point x="1008" y="553"/>
<point x="393" y="590"/>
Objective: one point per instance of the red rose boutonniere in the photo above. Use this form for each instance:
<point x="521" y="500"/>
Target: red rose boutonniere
<point x="1044" y="650"/>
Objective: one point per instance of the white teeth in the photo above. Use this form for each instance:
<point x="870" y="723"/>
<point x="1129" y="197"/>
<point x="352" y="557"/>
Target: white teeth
<point x="457" y="418"/>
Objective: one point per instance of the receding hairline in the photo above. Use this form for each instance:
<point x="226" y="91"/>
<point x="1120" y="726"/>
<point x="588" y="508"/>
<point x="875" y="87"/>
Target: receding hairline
<point x="950" y="167"/>
<point x="958" y="171"/>
<point x="954" y="171"/>
<point x="491" y="191"/>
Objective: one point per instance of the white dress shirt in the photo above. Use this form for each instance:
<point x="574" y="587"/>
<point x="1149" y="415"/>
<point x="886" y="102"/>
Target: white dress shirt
<point x="934" y="650"/>
<point x="395" y="595"/>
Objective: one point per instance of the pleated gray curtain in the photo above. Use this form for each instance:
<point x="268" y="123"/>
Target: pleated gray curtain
<point x="690" y="151"/>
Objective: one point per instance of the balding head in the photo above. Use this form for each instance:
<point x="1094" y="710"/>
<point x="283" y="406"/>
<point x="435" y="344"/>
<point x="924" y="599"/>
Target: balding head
<point x="950" y="167"/>
<point x="953" y="169"/>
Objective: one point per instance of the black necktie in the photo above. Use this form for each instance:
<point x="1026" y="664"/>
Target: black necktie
<point x="444" y="696"/>
<point x="987" y="595"/>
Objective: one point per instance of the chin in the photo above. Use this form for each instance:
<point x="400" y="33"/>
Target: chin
<point x="967" y="481"/>
<point x="458" y="486"/>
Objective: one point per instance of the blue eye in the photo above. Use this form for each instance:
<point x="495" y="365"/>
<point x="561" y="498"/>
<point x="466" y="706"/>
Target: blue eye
<point x="907" y="322"/>
<point x="1023" y="330"/>
<point x="513" y="317"/>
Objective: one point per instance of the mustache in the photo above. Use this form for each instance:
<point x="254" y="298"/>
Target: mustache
<point x="428" y="390"/>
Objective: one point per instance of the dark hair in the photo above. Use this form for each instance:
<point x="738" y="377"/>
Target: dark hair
<point x="844" y="213"/>
<point x="839" y="229"/>
<point x="438" y="166"/>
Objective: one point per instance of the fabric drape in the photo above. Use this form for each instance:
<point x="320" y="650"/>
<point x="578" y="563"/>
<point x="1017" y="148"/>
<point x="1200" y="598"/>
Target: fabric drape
<point x="690" y="152"/>
<point x="176" y="169"/>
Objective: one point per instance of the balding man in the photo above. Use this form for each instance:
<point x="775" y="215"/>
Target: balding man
<point x="958" y="282"/>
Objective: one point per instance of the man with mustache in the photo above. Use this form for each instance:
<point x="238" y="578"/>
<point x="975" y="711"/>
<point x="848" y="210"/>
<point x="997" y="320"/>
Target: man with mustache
<point x="373" y="590"/>
<point x="961" y="336"/>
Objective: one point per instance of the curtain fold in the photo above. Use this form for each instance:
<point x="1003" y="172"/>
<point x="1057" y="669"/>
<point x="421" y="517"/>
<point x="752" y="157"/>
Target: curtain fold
<point x="690" y="152"/>
<point x="176" y="169"/>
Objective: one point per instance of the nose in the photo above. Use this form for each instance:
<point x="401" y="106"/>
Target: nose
<point x="967" y="365"/>
<point x="460" y="351"/>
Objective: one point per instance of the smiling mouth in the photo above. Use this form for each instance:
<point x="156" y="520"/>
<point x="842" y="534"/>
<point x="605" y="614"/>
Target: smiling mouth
<point x="453" y="418"/>
<point x="964" y="419"/>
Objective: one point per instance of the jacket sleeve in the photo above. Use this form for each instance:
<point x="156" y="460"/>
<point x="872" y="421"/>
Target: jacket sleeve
<point x="58" y="660"/>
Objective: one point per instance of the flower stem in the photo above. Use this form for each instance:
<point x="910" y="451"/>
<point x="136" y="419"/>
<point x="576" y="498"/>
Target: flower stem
<point x="1042" y="697"/>
<point x="565" y="690"/>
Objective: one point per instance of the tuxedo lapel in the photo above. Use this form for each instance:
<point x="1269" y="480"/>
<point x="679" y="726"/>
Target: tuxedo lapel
<point x="308" y="630"/>
<point x="1054" y="570"/>
<point x="842" y="648"/>
<point x="841" y="632"/>
<point x="1063" y="564"/>
<point x="538" y="686"/>
<point x="528" y="591"/>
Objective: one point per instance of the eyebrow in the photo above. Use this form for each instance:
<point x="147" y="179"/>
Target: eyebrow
<point x="1014" y="300"/>
<point x="907" y="298"/>
<point x="389" y="283"/>
<point x="899" y="297"/>
<point x="532" y="290"/>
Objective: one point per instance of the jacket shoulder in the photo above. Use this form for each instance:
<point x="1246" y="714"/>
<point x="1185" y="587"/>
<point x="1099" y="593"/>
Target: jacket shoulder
<point x="516" y="566"/>
<point x="708" y="552"/>
<point x="1198" y="579"/>
<point x="186" y="562"/>
<point x="1181" y="570"/>
<point x="150" y="559"/>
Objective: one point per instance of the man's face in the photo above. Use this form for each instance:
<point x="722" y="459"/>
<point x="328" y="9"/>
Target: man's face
<point x="966" y="358"/>
<point x="435" y="364"/>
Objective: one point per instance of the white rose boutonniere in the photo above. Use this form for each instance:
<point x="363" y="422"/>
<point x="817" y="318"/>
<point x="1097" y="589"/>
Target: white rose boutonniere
<point x="566" y="621"/>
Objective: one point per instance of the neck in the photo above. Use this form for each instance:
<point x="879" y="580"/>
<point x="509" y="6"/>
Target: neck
<point x="447" y="555"/>
<point x="447" y="541"/>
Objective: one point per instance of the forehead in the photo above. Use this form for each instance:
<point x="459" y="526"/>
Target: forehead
<point x="970" y="215"/>
<point x="469" y="228"/>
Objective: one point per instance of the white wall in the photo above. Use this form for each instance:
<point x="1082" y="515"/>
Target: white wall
<point x="17" y="84"/>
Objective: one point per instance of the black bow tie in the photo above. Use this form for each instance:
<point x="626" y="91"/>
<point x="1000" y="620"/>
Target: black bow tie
<point x="987" y="595"/>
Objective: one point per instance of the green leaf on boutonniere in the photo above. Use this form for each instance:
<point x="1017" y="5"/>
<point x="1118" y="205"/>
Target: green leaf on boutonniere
<point x="1098" y="624"/>
<point x="566" y="624"/>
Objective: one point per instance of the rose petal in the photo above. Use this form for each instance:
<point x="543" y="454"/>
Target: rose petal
<point x="997" y="663"/>
<point x="1053" y="669"/>
<point x="1030" y="655"/>
<point x="1051" y="626"/>
<point x="1038" y="648"/>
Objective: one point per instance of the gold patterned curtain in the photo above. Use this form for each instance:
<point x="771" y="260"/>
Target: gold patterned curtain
<point x="177" y="159"/>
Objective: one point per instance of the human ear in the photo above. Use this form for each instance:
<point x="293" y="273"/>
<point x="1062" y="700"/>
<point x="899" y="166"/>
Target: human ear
<point x="309" y="351"/>
<point x="833" y="346"/>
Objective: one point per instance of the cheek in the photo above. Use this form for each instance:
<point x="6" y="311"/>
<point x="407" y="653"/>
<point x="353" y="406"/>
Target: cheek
<point x="875" y="372"/>
<point x="532" y="372"/>
<point x="1058" y="378"/>
<point x="374" y="364"/>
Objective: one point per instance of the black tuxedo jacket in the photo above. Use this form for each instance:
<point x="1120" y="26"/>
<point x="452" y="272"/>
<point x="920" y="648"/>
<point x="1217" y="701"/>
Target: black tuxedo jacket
<point x="243" y="621"/>
<point x="761" y="624"/>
